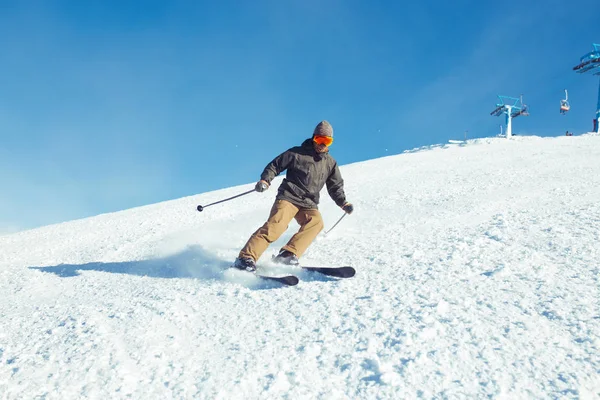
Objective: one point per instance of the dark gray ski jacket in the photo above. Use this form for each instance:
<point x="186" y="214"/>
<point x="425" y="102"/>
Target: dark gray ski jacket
<point x="307" y="173"/>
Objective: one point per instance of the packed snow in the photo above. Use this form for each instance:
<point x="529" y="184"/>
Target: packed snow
<point x="477" y="277"/>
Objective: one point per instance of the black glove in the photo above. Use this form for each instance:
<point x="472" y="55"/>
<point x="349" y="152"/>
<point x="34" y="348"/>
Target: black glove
<point x="261" y="186"/>
<point x="348" y="207"/>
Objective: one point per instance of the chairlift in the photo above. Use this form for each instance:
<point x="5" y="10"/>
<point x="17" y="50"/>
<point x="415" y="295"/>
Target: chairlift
<point x="590" y="61"/>
<point x="564" y="104"/>
<point x="520" y="110"/>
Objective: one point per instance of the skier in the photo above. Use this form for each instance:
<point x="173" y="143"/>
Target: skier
<point x="309" y="168"/>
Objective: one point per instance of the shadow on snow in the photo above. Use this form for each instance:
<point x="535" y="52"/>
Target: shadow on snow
<point x="194" y="262"/>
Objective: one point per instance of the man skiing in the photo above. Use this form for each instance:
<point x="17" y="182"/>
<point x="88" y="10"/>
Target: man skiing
<point x="309" y="168"/>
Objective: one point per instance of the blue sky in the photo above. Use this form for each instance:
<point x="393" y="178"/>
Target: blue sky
<point x="108" y="105"/>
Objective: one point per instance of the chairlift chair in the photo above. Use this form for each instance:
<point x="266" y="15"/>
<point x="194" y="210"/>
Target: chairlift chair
<point x="564" y="104"/>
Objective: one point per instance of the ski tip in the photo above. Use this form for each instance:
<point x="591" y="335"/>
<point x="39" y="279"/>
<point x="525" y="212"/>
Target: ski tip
<point x="291" y="280"/>
<point x="346" y="272"/>
<point x="338" y="272"/>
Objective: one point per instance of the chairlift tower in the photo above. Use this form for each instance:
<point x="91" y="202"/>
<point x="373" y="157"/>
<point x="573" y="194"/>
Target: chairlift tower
<point x="512" y="107"/>
<point x="591" y="63"/>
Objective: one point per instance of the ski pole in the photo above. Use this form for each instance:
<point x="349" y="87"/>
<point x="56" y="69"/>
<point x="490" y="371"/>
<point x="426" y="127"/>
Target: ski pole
<point x="342" y="217"/>
<point x="200" y="208"/>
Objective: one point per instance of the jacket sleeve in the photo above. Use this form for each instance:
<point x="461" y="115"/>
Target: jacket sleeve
<point x="335" y="186"/>
<point x="277" y="166"/>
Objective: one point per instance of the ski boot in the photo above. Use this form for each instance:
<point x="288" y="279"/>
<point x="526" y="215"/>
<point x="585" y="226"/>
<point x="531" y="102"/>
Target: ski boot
<point x="286" y="257"/>
<point x="245" y="264"/>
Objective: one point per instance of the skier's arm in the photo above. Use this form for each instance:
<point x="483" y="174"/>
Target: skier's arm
<point x="277" y="166"/>
<point x="335" y="187"/>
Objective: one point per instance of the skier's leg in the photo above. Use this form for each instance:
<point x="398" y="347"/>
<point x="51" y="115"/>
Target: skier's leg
<point x="281" y="214"/>
<point x="311" y="223"/>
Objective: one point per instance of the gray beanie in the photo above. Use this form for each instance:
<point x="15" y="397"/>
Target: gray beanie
<point x="323" y="128"/>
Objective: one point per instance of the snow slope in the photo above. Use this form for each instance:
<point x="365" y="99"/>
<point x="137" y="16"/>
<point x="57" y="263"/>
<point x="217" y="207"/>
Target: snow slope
<point x="477" y="277"/>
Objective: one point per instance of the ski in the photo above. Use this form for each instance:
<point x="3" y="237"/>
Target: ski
<point x="338" y="272"/>
<point x="288" y="280"/>
<point x="292" y="280"/>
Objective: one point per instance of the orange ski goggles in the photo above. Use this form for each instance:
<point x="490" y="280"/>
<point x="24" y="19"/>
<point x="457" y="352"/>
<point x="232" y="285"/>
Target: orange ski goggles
<point x="326" y="140"/>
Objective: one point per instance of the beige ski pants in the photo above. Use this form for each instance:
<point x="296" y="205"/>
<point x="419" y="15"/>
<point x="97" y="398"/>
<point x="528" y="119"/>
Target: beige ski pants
<point x="282" y="213"/>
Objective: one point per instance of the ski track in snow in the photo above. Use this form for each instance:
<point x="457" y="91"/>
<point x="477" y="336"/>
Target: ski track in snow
<point x="477" y="277"/>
